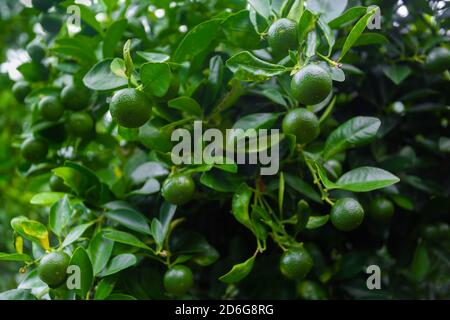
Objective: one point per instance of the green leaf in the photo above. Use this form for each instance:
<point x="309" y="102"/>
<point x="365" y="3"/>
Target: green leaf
<point x="118" y="68"/>
<point x="444" y="144"/>
<point x="311" y="44"/>
<point x="15" y="257"/>
<point x="47" y="198"/>
<point x="197" y="40"/>
<point x="247" y="67"/>
<point x="421" y="263"/>
<point x="347" y="17"/>
<point x="357" y="31"/>
<point x="113" y="36"/>
<point x="365" y="179"/>
<point x="100" y="250"/>
<point x="31" y="230"/>
<point x="188" y="105"/>
<point x="147" y="170"/>
<point x="89" y="17"/>
<point x="397" y="73"/>
<point x="119" y="263"/>
<point x="76" y="233"/>
<point x="303" y="213"/>
<point x="240" y="203"/>
<point x="306" y="25"/>
<point x="195" y="246"/>
<point x="154" y="57"/>
<point x="262" y="7"/>
<point x="221" y="181"/>
<point x="104" y="288"/>
<point x="101" y="78"/>
<point x="59" y="215"/>
<point x="156" y="78"/>
<point x="329" y="10"/>
<point x="238" y="272"/>
<point x="125" y="238"/>
<point x="329" y="35"/>
<point x="281" y="186"/>
<point x="353" y="133"/>
<point x="81" y="259"/>
<point x="17" y="294"/>
<point x="302" y="187"/>
<point x="315" y="222"/>
<point x="131" y="219"/>
<point x="240" y="31"/>
<point x="129" y="66"/>
<point x="151" y="186"/>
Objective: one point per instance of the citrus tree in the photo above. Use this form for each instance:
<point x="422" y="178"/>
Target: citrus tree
<point x="93" y="205"/>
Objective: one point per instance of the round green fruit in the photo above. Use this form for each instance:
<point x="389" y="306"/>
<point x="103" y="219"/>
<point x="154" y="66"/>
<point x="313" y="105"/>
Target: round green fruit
<point x="303" y="124"/>
<point x="80" y="124"/>
<point x="311" y="290"/>
<point x="296" y="263"/>
<point x="51" y="22"/>
<point x="51" y="108"/>
<point x="438" y="60"/>
<point x="311" y="85"/>
<point x="333" y="168"/>
<point x="36" y="51"/>
<point x="75" y="96"/>
<point x="34" y="150"/>
<point x="52" y="268"/>
<point x="130" y="108"/>
<point x="20" y="90"/>
<point x="178" y="189"/>
<point x="178" y="280"/>
<point x="42" y="5"/>
<point x="57" y="184"/>
<point x="282" y="36"/>
<point x="347" y="214"/>
<point x="381" y="209"/>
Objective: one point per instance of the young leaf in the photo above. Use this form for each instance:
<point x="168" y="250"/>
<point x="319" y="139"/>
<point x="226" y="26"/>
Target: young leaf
<point x="47" y="198"/>
<point x="75" y="234"/>
<point x="353" y="133"/>
<point x="315" y="222"/>
<point x="247" y="67"/>
<point x="238" y="272"/>
<point x="240" y="203"/>
<point x="125" y="238"/>
<point x="21" y="257"/>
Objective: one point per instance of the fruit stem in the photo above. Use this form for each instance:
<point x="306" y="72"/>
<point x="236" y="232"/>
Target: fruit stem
<point x="331" y="62"/>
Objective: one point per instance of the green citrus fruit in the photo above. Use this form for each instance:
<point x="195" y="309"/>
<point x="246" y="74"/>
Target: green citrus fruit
<point x="52" y="268"/>
<point x="178" y="189"/>
<point x="75" y="96"/>
<point x="178" y="280"/>
<point x="51" y="108"/>
<point x="51" y="22"/>
<point x="311" y="290"/>
<point x="80" y="124"/>
<point x="36" y="51"/>
<point x="130" y="108"/>
<point x="333" y="168"/>
<point x="438" y="60"/>
<point x="34" y="150"/>
<point x="347" y="214"/>
<point x="42" y="5"/>
<point x="311" y="85"/>
<point x="296" y="263"/>
<point x="303" y="124"/>
<point x="381" y="209"/>
<point x="20" y="90"/>
<point x="282" y="36"/>
<point x="57" y="184"/>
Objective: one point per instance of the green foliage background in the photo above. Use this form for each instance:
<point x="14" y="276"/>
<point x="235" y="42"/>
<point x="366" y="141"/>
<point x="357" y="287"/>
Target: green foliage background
<point x="384" y="78"/>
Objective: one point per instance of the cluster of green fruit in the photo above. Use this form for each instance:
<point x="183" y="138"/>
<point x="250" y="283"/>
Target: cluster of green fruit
<point x="53" y="267"/>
